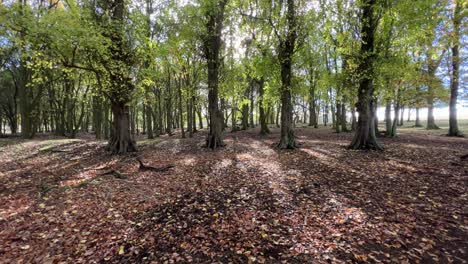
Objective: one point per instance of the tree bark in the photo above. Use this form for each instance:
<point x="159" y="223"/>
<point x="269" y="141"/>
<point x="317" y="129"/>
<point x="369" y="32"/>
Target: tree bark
<point x="121" y="140"/>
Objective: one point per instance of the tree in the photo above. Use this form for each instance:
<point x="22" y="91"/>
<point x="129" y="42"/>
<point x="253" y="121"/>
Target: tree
<point x="214" y="15"/>
<point x="120" y="81"/>
<point x="365" y="137"/>
<point x="454" y="82"/>
<point x="286" y="48"/>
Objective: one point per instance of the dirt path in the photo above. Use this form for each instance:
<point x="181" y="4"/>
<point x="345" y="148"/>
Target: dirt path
<point x="245" y="202"/>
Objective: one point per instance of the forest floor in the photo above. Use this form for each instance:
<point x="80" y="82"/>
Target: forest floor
<point x="69" y="200"/>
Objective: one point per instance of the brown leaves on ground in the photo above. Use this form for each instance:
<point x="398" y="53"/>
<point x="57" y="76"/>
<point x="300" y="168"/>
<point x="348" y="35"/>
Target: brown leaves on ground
<point x="247" y="202"/>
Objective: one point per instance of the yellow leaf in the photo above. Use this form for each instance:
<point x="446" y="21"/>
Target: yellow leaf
<point x="25" y="247"/>
<point x="121" y="250"/>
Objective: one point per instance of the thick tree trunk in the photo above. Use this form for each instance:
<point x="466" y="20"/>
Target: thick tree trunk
<point x="454" y="84"/>
<point x="121" y="140"/>
<point x="365" y="137"/>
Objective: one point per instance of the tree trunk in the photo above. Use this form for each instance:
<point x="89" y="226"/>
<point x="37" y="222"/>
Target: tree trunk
<point x="395" y="120"/>
<point x="454" y="84"/>
<point x="264" y="130"/>
<point x="388" y="118"/>
<point x="325" y="113"/>
<point x="245" y="109"/>
<point x="212" y="46"/>
<point x="365" y="137"/>
<point x="181" y="112"/>
<point x="402" y="115"/>
<point x="393" y="131"/>
<point x="252" y="105"/>
<point x="430" y="112"/>
<point x="149" y="120"/>
<point x="189" y="117"/>
<point x="143" y="118"/>
<point x="194" y="114"/>
<point x="168" y="101"/>
<point x="312" y="101"/>
<point x="200" y="117"/>
<point x="286" y="51"/>
<point x="417" y="122"/>
<point x="344" y="127"/>
<point x="121" y="140"/>
<point x="338" y="117"/>
<point x="161" y="129"/>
